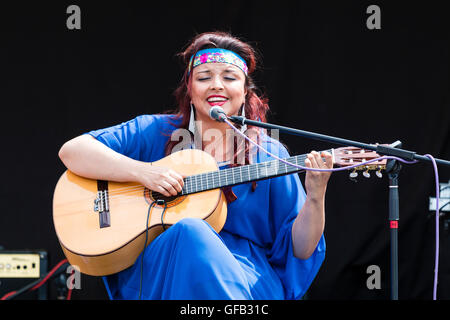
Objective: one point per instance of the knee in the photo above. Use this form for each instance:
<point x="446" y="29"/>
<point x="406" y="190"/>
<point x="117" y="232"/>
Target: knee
<point x="194" y="230"/>
<point x="193" y="226"/>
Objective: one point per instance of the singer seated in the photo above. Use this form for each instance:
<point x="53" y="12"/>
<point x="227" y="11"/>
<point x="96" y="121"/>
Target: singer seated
<point x="272" y="243"/>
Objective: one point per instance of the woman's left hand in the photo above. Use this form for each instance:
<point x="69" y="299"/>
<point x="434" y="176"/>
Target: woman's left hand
<point x="316" y="181"/>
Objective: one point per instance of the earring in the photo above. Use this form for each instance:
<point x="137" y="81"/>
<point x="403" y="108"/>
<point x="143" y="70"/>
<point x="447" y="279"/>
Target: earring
<point x="192" y="120"/>
<point x="244" y="127"/>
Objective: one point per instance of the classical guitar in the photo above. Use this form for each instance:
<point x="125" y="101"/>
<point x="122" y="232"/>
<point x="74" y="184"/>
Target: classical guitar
<point x="101" y="225"/>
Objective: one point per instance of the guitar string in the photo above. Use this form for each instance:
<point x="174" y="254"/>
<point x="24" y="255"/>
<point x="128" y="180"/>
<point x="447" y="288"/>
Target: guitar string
<point x="160" y="196"/>
<point x="209" y="178"/>
<point x="157" y="195"/>
<point x="336" y="169"/>
<point x="225" y="174"/>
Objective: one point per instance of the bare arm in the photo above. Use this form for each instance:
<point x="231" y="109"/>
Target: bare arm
<point x="310" y="222"/>
<point x="87" y="157"/>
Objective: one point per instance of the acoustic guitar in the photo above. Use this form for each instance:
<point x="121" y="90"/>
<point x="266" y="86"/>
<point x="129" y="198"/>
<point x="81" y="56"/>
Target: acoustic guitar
<point x="102" y="225"/>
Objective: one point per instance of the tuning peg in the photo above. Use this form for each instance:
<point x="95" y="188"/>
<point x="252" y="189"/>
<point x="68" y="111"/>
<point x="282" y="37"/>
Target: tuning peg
<point x="353" y="174"/>
<point x="378" y="173"/>
<point x="366" y="173"/>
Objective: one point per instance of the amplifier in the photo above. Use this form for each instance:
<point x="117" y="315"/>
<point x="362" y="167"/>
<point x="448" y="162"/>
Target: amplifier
<point x="20" y="268"/>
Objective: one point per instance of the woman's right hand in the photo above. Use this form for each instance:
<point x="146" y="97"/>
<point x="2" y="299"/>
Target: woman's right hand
<point x="161" y="179"/>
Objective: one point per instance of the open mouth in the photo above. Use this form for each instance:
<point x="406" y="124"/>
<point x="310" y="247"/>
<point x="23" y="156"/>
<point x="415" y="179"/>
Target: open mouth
<point x="216" y="100"/>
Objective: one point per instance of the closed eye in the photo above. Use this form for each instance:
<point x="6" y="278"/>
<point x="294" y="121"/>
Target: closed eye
<point x="207" y="78"/>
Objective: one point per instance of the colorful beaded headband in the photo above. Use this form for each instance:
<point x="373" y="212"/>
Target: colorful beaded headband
<point x="217" y="56"/>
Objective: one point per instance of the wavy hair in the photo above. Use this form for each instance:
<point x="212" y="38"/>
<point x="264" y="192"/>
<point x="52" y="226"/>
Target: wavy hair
<point x="256" y="105"/>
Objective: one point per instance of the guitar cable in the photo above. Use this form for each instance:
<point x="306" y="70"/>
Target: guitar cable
<point x="158" y="202"/>
<point x="436" y="177"/>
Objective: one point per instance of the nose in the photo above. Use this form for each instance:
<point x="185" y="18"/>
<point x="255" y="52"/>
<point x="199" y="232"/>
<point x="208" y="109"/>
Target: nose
<point x="216" y="83"/>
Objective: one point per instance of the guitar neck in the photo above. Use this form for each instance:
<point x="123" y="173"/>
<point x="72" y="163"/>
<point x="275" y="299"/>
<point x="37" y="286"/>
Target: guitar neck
<point x="242" y="174"/>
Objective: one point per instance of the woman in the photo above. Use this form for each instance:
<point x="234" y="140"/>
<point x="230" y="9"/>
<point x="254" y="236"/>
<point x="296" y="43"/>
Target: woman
<point x="272" y="244"/>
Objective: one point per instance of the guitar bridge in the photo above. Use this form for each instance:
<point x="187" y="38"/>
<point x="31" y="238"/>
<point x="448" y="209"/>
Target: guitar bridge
<point x="101" y="204"/>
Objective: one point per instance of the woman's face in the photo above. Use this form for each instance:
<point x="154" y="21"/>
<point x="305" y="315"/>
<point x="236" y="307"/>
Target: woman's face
<point x="220" y="84"/>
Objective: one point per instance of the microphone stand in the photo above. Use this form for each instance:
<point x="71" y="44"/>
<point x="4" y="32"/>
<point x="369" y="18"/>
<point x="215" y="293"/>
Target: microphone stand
<point x="392" y="168"/>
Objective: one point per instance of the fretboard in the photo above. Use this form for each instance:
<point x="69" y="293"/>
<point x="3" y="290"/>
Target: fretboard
<point x="242" y="174"/>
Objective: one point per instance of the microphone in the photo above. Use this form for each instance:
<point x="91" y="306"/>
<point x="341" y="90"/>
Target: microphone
<point x="217" y="113"/>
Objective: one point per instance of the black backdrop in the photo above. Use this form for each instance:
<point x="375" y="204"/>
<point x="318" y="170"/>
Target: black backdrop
<point x="323" y="71"/>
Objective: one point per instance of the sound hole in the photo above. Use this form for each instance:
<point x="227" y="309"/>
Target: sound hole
<point x="151" y="196"/>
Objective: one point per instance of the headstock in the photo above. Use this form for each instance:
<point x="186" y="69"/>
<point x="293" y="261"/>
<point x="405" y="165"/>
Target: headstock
<point x="349" y="156"/>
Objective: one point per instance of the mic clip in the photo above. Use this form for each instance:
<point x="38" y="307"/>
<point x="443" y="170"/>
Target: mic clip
<point x="238" y="119"/>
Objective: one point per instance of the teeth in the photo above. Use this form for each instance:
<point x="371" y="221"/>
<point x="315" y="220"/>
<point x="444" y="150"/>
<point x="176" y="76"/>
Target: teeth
<point x="215" y="99"/>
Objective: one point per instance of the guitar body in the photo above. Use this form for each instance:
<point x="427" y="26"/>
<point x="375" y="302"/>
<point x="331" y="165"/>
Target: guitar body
<point x="102" y="250"/>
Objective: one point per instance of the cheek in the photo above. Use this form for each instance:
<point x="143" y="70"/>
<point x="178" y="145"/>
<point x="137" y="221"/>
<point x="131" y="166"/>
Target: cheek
<point x="237" y="89"/>
<point x="239" y="94"/>
<point x="196" y="92"/>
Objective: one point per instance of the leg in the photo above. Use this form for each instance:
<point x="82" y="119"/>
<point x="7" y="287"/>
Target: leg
<point x="188" y="261"/>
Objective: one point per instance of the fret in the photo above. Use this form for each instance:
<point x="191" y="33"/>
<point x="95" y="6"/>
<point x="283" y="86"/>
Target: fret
<point x="272" y="169"/>
<point x="219" y="178"/>
<point x="217" y="175"/>
<point x="248" y="172"/>
<point x="302" y="162"/>
<point x="275" y="165"/>
<point x="240" y="173"/>
<point x="288" y="166"/>
<point x="211" y="182"/>
<point x="231" y="176"/>
<point x="201" y="181"/>
<point x="184" y="190"/>
<point x="224" y="177"/>
<point x="262" y="167"/>
<point x="234" y="178"/>
<point x="212" y="185"/>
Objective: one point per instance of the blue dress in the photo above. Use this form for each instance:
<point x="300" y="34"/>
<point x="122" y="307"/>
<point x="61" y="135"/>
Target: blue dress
<point x="252" y="256"/>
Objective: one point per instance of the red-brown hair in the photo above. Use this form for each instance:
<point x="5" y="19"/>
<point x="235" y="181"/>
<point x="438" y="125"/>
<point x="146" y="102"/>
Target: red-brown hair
<point x="256" y="106"/>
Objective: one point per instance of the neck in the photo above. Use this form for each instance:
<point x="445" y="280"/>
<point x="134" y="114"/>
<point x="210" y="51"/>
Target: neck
<point x="242" y="174"/>
<point x="215" y="138"/>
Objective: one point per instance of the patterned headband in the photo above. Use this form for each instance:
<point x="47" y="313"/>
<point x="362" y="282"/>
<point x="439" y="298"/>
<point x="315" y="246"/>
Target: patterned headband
<point x="217" y="56"/>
